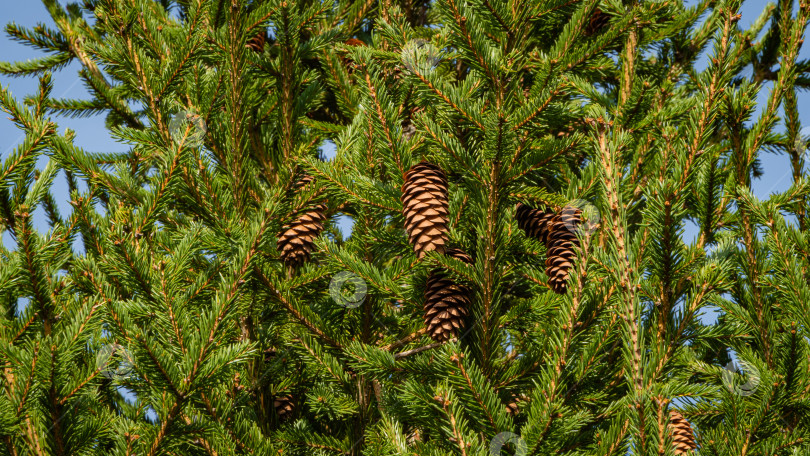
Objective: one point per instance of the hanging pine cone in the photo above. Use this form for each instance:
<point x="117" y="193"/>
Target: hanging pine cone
<point x="534" y="222"/>
<point x="408" y="128"/>
<point x="355" y="42"/>
<point x="424" y="201"/>
<point x="284" y="405"/>
<point x="446" y="302"/>
<point x="683" y="437"/>
<point x="303" y="182"/>
<point x="414" y="437"/>
<point x="350" y="65"/>
<point x="513" y="407"/>
<point x="270" y="354"/>
<point x="297" y="239"/>
<point x="598" y="20"/>
<point x="562" y="240"/>
<point x="256" y="44"/>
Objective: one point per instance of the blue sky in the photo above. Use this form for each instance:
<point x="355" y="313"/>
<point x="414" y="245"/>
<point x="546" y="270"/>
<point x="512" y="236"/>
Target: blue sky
<point x="91" y="135"/>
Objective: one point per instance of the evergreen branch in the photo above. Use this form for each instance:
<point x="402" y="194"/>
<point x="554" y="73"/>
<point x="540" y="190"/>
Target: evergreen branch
<point x="384" y="123"/>
<point x="339" y="82"/>
<point x="31" y="263"/>
<point x="213" y="412"/>
<point x="41" y="37"/>
<point x="447" y="100"/>
<point x="600" y="45"/>
<point x="482" y="61"/>
<point x="451" y="146"/>
<point x="405" y="340"/>
<point x="73" y="37"/>
<point x="328" y="362"/>
<point x="28" y="383"/>
<point x="144" y="85"/>
<point x="295" y="312"/>
<point x="107" y="93"/>
<point x="421" y="349"/>
<point x="454" y="424"/>
<point x="164" y="427"/>
<point x="456" y="358"/>
<point x="554" y="6"/>
<point x="314" y="445"/>
<point x="286" y="86"/>
<point x="627" y="284"/>
<point x="520" y="124"/>
<point x="499" y="19"/>
<point x="354" y="15"/>
<point x="38" y="66"/>
<point x="75" y="108"/>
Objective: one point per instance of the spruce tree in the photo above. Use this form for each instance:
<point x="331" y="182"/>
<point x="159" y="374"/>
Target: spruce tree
<point x="520" y="176"/>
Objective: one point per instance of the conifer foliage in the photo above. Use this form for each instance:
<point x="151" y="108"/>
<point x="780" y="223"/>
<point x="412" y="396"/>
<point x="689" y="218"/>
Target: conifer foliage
<point x="520" y="175"/>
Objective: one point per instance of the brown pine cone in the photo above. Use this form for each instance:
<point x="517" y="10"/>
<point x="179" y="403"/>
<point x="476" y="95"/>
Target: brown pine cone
<point x="355" y="42"/>
<point x="256" y="44"/>
<point x="303" y="182"/>
<point x="562" y="240"/>
<point x="446" y="302"/>
<point x="425" y="207"/>
<point x="598" y="20"/>
<point x="683" y="437"/>
<point x="513" y="407"/>
<point x="270" y="354"/>
<point x="534" y="222"/>
<point x="297" y="239"/>
<point x="408" y="128"/>
<point x="285" y="406"/>
<point x="347" y="62"/>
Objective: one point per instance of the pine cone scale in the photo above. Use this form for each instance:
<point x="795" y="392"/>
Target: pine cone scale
<point x="683" y="437"/>
<point x="556" y="231"/>
<point x="297" y="239"/>
<point x="446" y="302"/>
<point x="284" y="406"/>
<point x="425" y="208"/>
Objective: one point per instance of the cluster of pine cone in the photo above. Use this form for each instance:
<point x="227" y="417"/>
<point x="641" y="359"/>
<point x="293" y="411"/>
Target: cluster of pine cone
<point x="558" y="232"/>
<point x="425" y="208"/>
